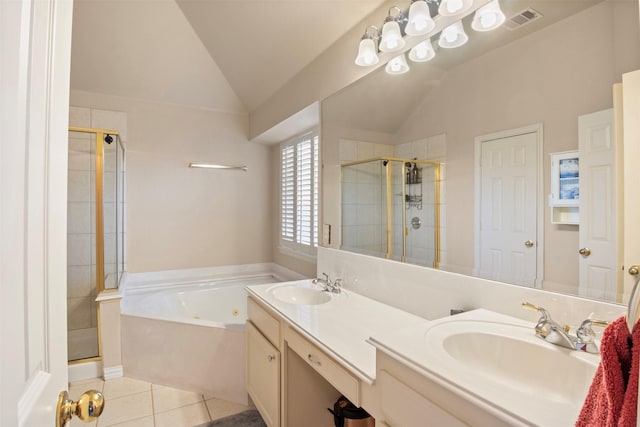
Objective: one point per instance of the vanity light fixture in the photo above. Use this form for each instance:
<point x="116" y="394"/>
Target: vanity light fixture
<point x="419" y="22"/>
<point x="453" y="36"/>
<point x="391" y="38"/>
<point x="454" y="7"/>
<point x="422" y="52"/>
<point x="488" y="17"/>
<point x="397" y="65"/>
<point x="367" y="52"/>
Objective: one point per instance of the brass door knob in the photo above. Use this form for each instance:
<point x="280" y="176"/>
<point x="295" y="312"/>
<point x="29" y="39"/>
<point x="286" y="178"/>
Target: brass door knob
<point x="585" y="251"/>
<point x="529" y="243"/>
<point x="634" y="270"/>
<point x="87" y="408"/>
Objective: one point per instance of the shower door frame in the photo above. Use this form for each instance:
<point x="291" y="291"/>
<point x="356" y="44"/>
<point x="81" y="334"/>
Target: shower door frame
<point x="436" y="213"/>
<point x="99" y="175"/>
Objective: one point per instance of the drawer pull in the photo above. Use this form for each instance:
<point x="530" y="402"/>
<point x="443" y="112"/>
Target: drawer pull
<point x="312" y="360"/>
<point x="271" y="358"/>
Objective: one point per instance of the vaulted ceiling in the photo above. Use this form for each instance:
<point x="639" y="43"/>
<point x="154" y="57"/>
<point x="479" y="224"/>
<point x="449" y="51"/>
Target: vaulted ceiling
<point x="228" y="55"/>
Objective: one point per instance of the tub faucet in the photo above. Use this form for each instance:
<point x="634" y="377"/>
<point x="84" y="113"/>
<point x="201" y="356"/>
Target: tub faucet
<point x="550" y="331"/>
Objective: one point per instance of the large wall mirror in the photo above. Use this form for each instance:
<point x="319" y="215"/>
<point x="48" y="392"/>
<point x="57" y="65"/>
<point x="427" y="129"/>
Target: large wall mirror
<point x="509" y="95"/>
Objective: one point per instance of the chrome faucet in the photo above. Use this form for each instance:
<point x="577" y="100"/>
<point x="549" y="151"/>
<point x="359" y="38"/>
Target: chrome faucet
<point x="548" y="330"/>
<point x="327" y="284"/>
<point x="335" y="287"/>
<point x="322" y="282"/>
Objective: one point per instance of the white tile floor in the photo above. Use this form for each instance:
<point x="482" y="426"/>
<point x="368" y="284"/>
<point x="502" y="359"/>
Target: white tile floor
<point x="135" y="403"/>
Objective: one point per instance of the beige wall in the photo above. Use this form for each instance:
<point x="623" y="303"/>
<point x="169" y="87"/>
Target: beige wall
<point x="188" y="218"/>
<point x="549" y="77"/>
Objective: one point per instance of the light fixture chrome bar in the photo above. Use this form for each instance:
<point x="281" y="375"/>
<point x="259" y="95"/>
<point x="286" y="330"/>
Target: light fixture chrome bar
<point x="211" y="166"/>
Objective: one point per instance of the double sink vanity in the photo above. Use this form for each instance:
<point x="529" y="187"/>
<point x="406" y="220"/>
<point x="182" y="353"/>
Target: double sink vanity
<point x="307" y="345"/>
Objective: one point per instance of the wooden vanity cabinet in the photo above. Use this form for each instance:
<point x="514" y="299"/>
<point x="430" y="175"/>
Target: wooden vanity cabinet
<point x="263" y="362"/>
<point x="409" y="398"/>
<point x="291" y="381"/>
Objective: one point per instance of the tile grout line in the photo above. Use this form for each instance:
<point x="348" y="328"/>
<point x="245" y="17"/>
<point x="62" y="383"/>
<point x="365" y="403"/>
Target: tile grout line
<point x="207" y="408"/>
<point x="153" y="408"/>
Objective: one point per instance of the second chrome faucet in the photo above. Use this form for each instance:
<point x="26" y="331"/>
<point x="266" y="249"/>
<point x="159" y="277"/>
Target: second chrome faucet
<point x="548" y="330"/>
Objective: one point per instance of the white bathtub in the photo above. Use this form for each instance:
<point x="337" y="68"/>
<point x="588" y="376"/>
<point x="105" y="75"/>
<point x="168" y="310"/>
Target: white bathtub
<point x="189" y="335"/>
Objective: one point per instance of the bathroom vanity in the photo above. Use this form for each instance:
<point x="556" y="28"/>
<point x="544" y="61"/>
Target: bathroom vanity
<point x="306" y="347"/>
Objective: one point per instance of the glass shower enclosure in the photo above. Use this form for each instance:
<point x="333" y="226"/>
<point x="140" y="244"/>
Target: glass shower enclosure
<point x="391" y="209"/>
<point x="95" y="232"/>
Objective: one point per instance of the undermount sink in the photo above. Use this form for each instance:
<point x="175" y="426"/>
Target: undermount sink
<point x="507" y="363"/>
<point x="300" y="295"/>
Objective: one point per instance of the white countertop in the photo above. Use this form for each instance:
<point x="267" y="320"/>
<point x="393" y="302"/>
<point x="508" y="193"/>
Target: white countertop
<point x="516" y="402"/>
<point x="343" y="326"/>
<point x="351" y="327"/>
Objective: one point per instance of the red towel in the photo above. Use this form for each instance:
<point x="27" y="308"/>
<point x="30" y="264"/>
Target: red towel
<point x="613" y="395"/>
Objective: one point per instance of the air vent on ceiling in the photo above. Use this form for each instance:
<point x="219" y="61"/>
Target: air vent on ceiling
<point x="523" y="18"/>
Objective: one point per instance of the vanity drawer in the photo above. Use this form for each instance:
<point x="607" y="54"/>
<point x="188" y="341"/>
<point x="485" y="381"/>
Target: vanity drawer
<point x="336" y="375"/>
<point x="264" y="321"/>
<point x="404" y="407"/>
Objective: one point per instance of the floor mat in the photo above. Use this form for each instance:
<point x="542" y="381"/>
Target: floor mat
<point x="250" y="418"/>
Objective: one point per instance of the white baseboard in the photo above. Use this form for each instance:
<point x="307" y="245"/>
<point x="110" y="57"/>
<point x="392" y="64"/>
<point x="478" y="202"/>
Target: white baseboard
<point x="85" y="371"/>
<point x="113" y="372"/>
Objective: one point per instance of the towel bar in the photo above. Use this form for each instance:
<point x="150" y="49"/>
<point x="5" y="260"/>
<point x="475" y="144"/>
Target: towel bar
<point x="210" y="166"/>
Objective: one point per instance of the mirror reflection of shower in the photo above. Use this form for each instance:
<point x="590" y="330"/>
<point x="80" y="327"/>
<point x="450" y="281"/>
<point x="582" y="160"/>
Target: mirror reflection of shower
<point x="95" y="232"/>
<point x="391" y="209"/>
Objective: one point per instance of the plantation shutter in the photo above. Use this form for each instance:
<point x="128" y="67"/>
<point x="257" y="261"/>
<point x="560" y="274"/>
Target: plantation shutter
<point x="299" y="193"/>
<point x="287" y="162"/>
<point x="305" y="192"/>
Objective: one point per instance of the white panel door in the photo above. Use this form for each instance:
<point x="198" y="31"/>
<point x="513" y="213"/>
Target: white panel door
<point x="598" y="265"/>
<point x="508" y="209"/>
<point x="35" y="46"/>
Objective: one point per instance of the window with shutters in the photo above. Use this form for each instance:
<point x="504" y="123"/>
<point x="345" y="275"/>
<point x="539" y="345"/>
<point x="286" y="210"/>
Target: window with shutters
<point x="299" y="195"/>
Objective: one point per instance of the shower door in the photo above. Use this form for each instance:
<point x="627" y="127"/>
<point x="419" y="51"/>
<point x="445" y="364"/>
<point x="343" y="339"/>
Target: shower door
<point x="364" y="208"/>
<point x="94" y="218"/>
<point x="391" y="209"/>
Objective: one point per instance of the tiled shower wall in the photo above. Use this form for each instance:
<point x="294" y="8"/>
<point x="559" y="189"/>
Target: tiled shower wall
<point x="364" y="216"/>
<point x="82" y="320"/>
<point x="364" y="199"/>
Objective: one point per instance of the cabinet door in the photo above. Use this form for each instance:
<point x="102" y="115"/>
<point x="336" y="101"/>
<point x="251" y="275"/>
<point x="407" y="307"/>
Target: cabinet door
<point x="404" y="407"/>
<point x="263" y="375"/>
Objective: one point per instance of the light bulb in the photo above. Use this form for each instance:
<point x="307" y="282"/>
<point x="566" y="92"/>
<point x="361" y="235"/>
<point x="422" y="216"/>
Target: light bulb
<point x="422" y="52"/>
<point x="397" y="65"/>
<point x="453" y="36"/>
<point x="391" y="39"/>
<point x="419" y="19"/>
<point x="367" y="53"/>
<point x="488" y="20"/>
<point x="454" y="6"/>
<point x="488" y="17"/>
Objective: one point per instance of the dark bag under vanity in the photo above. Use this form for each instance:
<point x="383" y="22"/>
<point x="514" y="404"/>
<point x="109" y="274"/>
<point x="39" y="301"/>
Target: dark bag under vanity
<point x="346" y="414"/>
